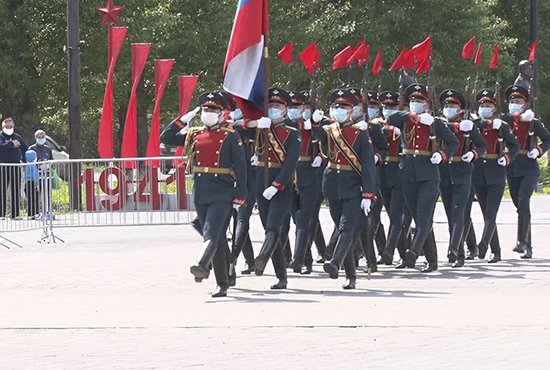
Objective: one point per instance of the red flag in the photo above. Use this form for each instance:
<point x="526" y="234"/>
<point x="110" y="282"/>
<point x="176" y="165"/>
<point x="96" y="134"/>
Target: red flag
<point x="105" y="141"/>
<point x="423" y="66"/>
<point x="423" y="50"/>
<point x="186" y="86"/>
<point x="408" y="59"/>
<point x="308" y="57"/>
<point x="494" y="58"/>
<point x="360" y="53"/>
<point x="286" y="54"/>
<point x="340" y="60"/>
<point x="468" y="48"/>
<point x="128" y="148"/>
<point x="477" y="59"/>
<point x="398" y="62"/>
<point x="533" y="51"/>
<point x="378" y="64"/>
<point x="162" y="72"/>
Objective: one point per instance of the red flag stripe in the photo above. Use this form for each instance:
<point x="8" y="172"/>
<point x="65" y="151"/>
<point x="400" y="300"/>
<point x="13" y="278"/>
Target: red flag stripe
<point x="285" y="54"/>
<point x="468" y="48"/>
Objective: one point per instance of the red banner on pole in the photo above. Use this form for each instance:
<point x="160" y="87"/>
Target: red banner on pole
<point x="186" y="88"/>
<point x="105" y="148"/>
<point x="162" y="72"/>
<point x="128" y="149"/>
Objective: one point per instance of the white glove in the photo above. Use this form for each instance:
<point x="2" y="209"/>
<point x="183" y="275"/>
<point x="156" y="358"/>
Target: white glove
<point x="426" y="119"/>
<point x="527" y="116"/>
<point x="436" y="158"/>
<point x="317" y="115"/>
<point x="236" y="206"/>
<point x="365" y="206"/>
<point x="189" y="115"/>
<point x="264" y="122"/>
<point x="376" y="159"/>
<point x="254" y="161"/>
<point x="317" y="161"/>
<point x="396" y="131"/>
<point x="362" y="125"/>
<point x="270" y="192"/>
<point x="502" y="161"/>
<point x="466" y="125"/>
<point x="184" y="130"/>
<point x="307" y="124"/>
<point x="533" y="153"/>
<point x="497" y="122"/>
<point x="468" y="157"/>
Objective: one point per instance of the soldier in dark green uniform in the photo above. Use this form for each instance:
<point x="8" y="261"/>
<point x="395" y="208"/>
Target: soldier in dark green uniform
<point x="523" y="173"/>
<point x="420" y="173"/>
<point x="216" y="157"/>
<point x="456" y="174"/>
<point x="490" y="169"/>
<point x="278" y="150"/>
<point x="349" y="180"/>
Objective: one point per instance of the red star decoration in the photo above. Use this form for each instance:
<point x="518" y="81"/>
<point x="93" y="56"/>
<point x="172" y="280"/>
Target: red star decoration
<point x="110" y="13"/>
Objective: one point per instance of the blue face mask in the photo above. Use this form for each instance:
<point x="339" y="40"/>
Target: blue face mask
<point x="339" y="114"/>
<point x="416" y="107"/>
<point x="236" y="114"/>
<point x="515" y="108"/>
<point x="41" y="141"/>
<point x="307" y="114"/>
<point x="485" y="112"/>
<point x="274" y="113"/>
<point x="450" y="113"/>
<point x="388" y="112"/>
<point x="357" y="112"/>
<point x="373" y="113"/>
<point x="294" y="114"/>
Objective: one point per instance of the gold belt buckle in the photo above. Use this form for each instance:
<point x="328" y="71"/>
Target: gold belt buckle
<point x="268" y="164"/>
<point x="416" y="151"/>
<point x="206" y="169"/>
<point x="337" y="166"/>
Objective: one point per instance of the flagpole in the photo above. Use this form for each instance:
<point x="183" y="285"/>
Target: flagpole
<point x="265" y="137"/>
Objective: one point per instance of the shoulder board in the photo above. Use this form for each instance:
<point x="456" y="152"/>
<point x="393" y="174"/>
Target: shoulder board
<point x="228" y="129"/>
<point x="355" y="126"/>
<point x="442" y="119"/>
<point x="195" y="130"/>
<point x="290" y="128"/>
<point x="378" y="121"/>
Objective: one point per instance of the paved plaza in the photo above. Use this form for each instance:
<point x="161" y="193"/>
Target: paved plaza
<point x="123" y="298"/>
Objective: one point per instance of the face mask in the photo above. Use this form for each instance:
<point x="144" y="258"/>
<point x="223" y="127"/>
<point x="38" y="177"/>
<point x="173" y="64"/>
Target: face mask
<point x="373" y="113"/>
<point x="388" y="112"/>
<point x="339" y="114"/>
<point x="307" y="114"/>
<point x="450" y="112"/>
<point x="485" y="112"/>
<point x="209" y="118"/>
<point x="357" y="112"/>
<point x="41" y="141"/>
<point x="294" y="114"/>
<point x="274" y="113"/>
<point x="236" y="114"/>
<point x="416" y="107"/>
<point x="8" y="131"/>
<point x="515" y="108"/>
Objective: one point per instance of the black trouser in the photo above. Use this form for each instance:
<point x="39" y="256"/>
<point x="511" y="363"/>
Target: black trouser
<point x="32" y="191"/>
<point x="421" y="198"/>
<point x="489" y="198"/>
<point x="10" y="176"/>
<point x="242" y="237"/>
<point x="214" y="219"/>
<point x="394" y="201"/>
<point x="521" y="190"/>
<point x="455" y="199"/>
<point x="303" y="215"/>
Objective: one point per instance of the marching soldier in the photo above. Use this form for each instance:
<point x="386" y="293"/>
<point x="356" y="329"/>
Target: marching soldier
<point x="217" y="158"/>
<point x="419" y="166"/>
<point x="456" y="175"/>
<point x="308" y="165"/>
<point x="523" y="173"/>
<point x="349" y="180"/>
<point x="490" y="169"/>
<point x="278" y="150"/>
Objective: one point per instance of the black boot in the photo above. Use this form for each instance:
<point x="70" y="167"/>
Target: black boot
<point x="460" y="258"/>
<point x="350" y="283"/>
<point x="221" y="291"/>
<point x="299" y="250"/>
<point x="482" y="249"/>
<point x="331" y="243"/>
<point x="232" y="276"/>
<point x="394" y="236"/>
<point x="279" y="265"/>
<point x="341" y="249"/>
<point x="430" y="252"/>
<point x="269" y="246"/>
<point x="495" y="258"/>
<point x="196" y="223"/>
<point x="317" y="237"/>
<point x="349" y="267"/>
<point x="221" y="267"/>
<point x="248" y="254"/>
<point x="528" y="253"/>
<point x="201" y="270"/>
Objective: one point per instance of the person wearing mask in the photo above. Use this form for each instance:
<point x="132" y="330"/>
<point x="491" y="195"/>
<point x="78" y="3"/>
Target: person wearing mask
<point x="12" y="150"/>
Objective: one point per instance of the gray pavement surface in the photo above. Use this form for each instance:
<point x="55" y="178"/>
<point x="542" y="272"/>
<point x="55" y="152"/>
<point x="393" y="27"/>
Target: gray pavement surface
<point x="123" y="298"/>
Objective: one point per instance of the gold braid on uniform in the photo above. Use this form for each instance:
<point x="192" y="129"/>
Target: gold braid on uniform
<point x="409" y="135"/>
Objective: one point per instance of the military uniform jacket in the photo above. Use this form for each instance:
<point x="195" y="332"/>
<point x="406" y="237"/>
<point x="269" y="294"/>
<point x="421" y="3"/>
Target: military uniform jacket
<point x="306" y="176"/>
<point x="486" y="168"/>
<point x="340" y="180"/>
<point x="171" y="135"/>
<point x="415" y="139"/>
<point x="527" y="134"/>
<point x="456" y="171"/>
<point x="390" y="173"/>
<point x="379" y="144"/>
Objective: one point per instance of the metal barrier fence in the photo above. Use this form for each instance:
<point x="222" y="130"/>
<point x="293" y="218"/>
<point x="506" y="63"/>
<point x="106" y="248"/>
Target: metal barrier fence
<point x="86" y="192"/>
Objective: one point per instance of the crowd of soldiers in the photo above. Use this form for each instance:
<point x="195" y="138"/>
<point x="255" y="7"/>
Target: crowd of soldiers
<point x="371" y="152"/>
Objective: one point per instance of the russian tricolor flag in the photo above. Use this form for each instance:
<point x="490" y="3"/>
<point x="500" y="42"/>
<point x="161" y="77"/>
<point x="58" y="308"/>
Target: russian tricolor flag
<point x="244" y="68"/>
